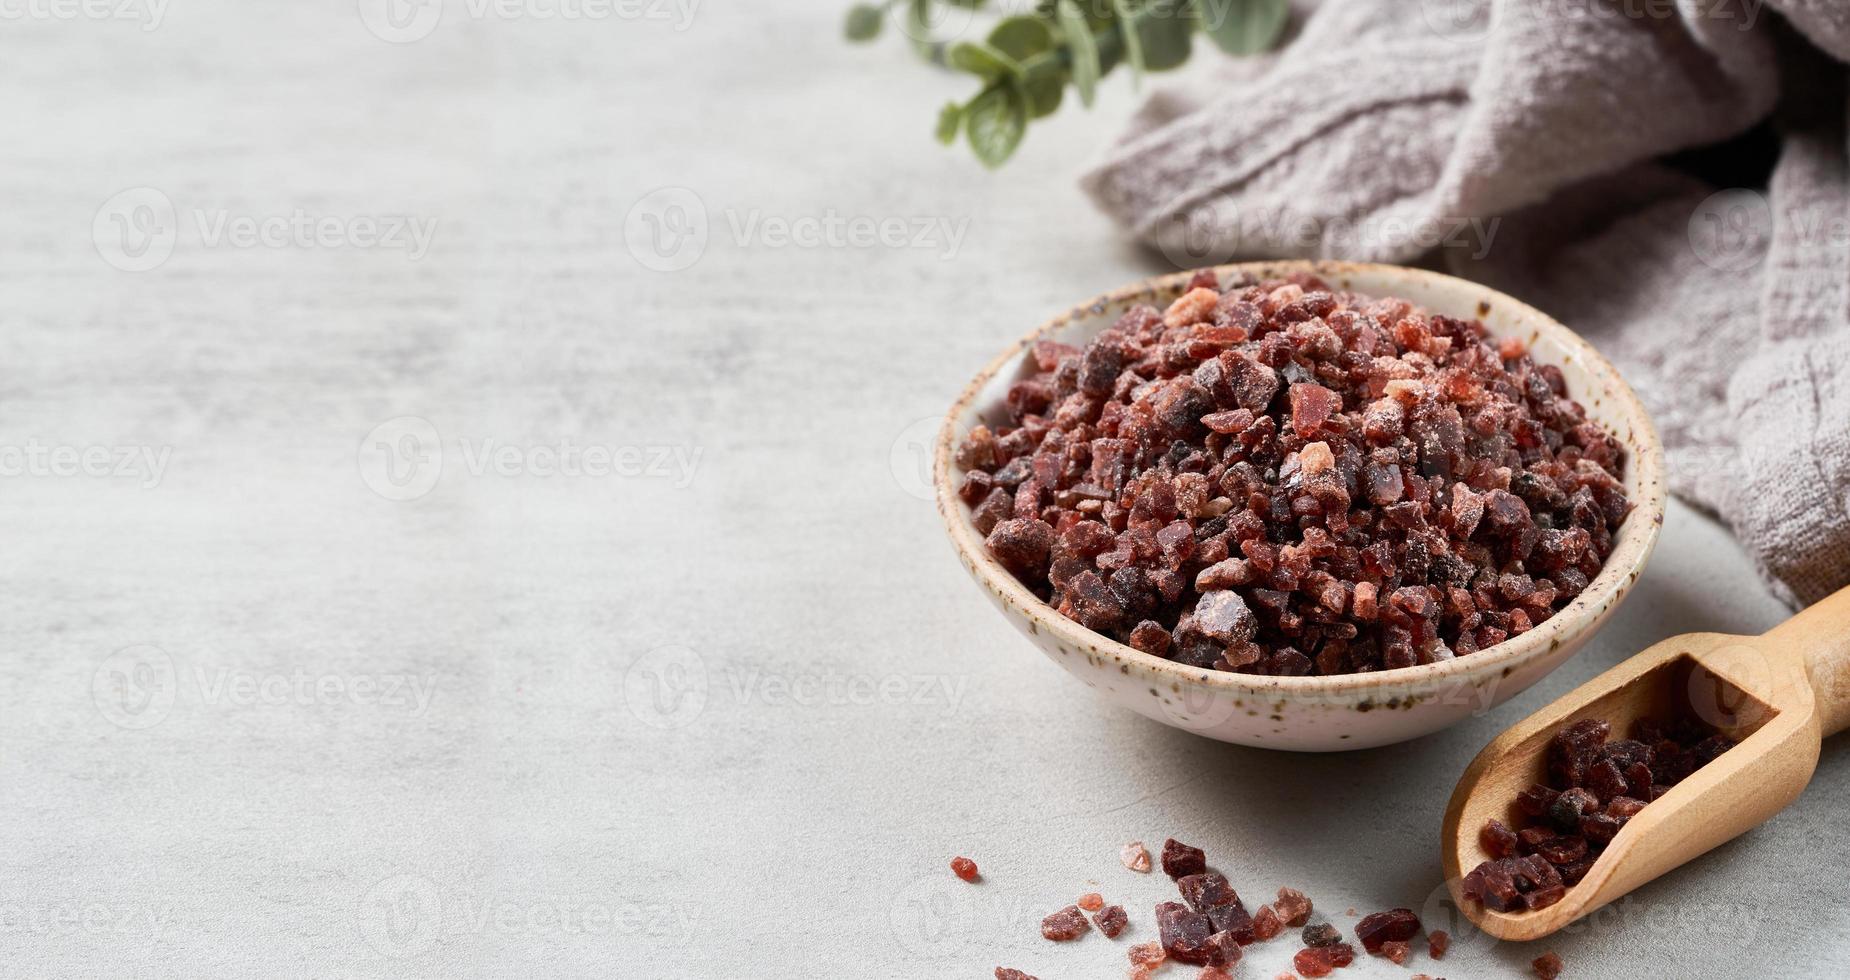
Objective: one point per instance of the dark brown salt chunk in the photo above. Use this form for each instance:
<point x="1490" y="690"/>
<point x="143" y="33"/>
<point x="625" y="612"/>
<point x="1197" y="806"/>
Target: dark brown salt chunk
<point x="1394" y="925"/>
<point x="1111" y="920"/>
<point x="1022" y="546"/>
<point x="1547" y="966"/>
<point x="1006" y="973"/>
<point x="1498" y="839"/>
<point x="1232" y="919"/>
<point x="1181" y="860"/>
<point x="1321" y="934"/>
<point x="1186" y="936"/>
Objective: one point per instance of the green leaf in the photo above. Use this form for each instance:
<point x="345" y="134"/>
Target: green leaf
<point x="995" y="123"/>
<point x="863" y="22"/>
<point x="981" y="60"/>
<point x="1084" y="48"/>
<point x="1044" y="90"/>
<point x="1127" y="29"/>
<point x="1243" y="26"/>
<point x="950" y="118"/>
<point x="1164" y="32"/>
<point x="1022" y="37"/>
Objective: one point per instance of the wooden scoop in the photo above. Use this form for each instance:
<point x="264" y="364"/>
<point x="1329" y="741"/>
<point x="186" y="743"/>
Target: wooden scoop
<point x="1777" y="695"/>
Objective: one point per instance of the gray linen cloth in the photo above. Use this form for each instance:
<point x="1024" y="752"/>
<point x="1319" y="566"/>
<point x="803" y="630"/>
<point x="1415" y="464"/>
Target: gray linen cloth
<point x="1518" y="143"/>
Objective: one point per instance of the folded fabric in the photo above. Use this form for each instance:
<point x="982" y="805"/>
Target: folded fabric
<point x="1519" y="144"/>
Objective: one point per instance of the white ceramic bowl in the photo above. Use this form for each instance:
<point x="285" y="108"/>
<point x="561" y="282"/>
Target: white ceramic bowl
<point x="1349" y="711"/>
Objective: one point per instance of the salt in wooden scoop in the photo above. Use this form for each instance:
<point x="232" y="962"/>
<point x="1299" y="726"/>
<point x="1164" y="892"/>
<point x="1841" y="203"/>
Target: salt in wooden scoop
<point x="1777" y="695"/>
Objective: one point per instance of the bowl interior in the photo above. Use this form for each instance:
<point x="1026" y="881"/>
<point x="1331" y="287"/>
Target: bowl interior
<point x="1591" y="380"/>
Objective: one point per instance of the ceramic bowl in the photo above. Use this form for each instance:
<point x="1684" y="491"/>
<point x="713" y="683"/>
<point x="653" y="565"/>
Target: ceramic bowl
<point x="1350" y="711"/>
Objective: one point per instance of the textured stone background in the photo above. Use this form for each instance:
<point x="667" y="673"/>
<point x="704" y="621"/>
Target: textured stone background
<point x="332" y="698"/>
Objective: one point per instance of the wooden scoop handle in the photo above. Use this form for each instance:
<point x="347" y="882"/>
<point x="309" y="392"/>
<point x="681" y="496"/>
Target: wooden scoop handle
<point x="1821" y="634"/>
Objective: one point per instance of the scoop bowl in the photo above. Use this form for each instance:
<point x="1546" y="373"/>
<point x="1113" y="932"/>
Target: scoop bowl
<point x="1340" y="712"/>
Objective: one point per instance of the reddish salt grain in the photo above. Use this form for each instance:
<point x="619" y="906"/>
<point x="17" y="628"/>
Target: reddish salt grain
<point x="1006" y="973"/>
<point x="1547" y="966"/>
<point x="1597" y="786"/>
<point x="1394" y="925"/>
<point x="1282" y="478"/>
<point x="1213" y="973"/>
<point x="1320" y="961"/>
<point x="1437" y="943"/>
<point x="1293" y="907"/>
<point x="1181" y="860"/>
<point x="1147" y="954"/>
<point x="964" y="868"/>
<point x="1395" y="951"/>
<point x="1135" y="857"/>
<point x="1266" y="924"/>
<point x="1067" y="924"/>
<point x="1091" y="901"/>
<point x="1111" y="920"/>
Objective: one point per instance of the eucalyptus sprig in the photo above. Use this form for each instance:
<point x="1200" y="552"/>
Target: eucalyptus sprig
<point x="1027" y="60"/>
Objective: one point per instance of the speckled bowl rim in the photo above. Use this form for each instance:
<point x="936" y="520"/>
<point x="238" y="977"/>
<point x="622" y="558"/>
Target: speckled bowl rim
<point x="1631" y="546"/>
